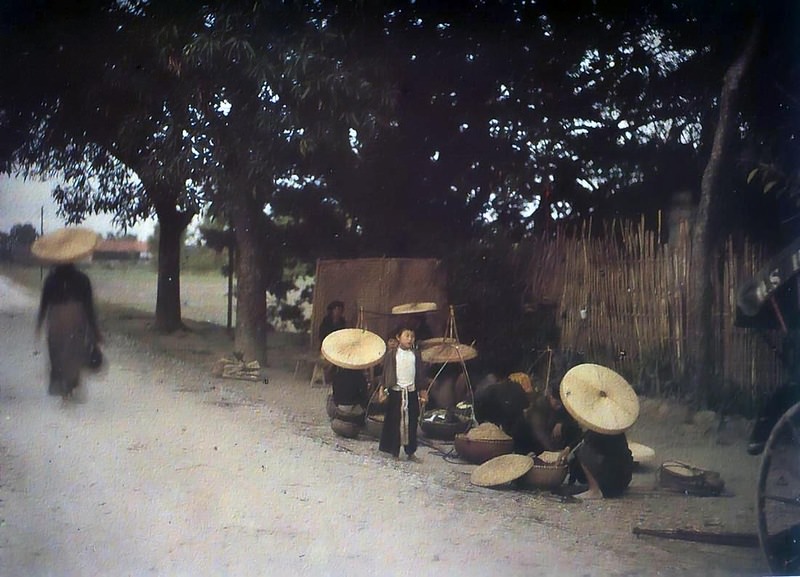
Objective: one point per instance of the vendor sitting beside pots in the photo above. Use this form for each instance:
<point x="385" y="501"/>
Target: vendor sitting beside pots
<point x="604" y="463"/>
<point x="606" y="406"/>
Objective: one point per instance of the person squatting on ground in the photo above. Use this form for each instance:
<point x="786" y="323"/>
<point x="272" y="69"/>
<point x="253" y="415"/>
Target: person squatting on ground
<point x="402" y="374"/>
<point x="551" y="426"/>
<point x="604" y="463"/>
<point x="350" y="394"/>
<point x="67" y="305"/>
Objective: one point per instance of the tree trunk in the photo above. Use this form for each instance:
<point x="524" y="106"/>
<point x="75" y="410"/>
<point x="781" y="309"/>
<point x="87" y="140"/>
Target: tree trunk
<point x="171" y="224"/>
<point x="701" y="366"/>
<point x="250" y="336"/>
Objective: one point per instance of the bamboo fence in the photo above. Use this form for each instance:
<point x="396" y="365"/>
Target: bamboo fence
<point x="622" y="301"/>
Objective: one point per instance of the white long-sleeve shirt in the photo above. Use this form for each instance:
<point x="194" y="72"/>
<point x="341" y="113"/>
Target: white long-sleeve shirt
<point x="406" y="367"/>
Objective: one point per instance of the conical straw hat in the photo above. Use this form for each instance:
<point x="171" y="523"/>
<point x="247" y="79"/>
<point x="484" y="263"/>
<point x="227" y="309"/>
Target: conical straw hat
<point x="414" y="308"/>
<point x="65" y="245"/>
<point x="353" y="348"/>
<point x="501" y="470"/>
<point x="448" y="353"/>
<point x="599" y="399"/>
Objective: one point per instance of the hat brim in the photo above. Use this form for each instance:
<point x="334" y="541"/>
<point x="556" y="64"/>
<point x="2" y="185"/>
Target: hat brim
<point x="448" y="353"/>
<point x="65" y="245"/>
<point x="599" y="399"/>
<point x="428" y="343"/>
<point x="414" y="308"/>
<point x="353" y="348"/>
<point x="501" y="470"/>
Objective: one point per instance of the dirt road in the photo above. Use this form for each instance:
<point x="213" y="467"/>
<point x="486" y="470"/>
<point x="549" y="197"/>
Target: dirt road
<point x="167" y="471"/>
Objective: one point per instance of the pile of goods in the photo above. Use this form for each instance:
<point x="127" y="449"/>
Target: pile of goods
<point x="487" y="432"/>
<point x="236" y="369"/>
<point x="443" y="424"/>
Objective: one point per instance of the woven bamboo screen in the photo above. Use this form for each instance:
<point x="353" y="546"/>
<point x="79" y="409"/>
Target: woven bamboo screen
<point x="622" y="302"/>
<point x="378" y="284"/>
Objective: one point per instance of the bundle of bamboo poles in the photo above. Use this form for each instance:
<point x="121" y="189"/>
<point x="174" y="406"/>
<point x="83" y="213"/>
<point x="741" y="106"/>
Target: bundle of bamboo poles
<point x="544" y="272"/>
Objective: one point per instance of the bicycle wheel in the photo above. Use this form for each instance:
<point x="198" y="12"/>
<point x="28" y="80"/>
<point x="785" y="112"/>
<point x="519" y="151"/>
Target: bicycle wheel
<point x="778" y="497"/>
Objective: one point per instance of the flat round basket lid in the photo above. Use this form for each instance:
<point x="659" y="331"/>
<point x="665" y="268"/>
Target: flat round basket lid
<point x="501" y="470"/>
<point x="427" y="343"/>
<point x="642" y="454"/>
<point x="353" y="348"/>
<point x="65" y="245"/>
<point x="448" y="353"/>
<point x="414" y="308"/>
<point x="599" y="399"/>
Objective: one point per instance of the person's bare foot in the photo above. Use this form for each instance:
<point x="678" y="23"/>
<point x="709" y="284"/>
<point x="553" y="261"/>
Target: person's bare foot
<point x="590" y="495"/>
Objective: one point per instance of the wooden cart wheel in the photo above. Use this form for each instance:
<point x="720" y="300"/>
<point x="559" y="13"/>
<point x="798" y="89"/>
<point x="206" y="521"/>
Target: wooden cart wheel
<point x="778" y="498"/>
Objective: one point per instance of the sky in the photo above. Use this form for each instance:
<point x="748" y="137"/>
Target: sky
<point x="21" y="202"/>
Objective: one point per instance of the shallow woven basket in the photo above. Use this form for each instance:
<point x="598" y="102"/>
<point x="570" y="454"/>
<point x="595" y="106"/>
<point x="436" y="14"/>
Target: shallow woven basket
<point x="478" y="451"/>
<point x="345" y="429"/>
<point x="443" y="431"/>
<point x="544" y="476"/>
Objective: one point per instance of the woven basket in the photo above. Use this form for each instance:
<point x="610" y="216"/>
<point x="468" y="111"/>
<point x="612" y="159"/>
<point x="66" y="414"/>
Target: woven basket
<point x="545" y="476"/>
<point x="478" y="451"/>
<point x="443" y="431"/>
<point x="373" y="426"/>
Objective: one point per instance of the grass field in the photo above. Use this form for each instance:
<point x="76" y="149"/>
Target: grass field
<point x="203" y="296"/>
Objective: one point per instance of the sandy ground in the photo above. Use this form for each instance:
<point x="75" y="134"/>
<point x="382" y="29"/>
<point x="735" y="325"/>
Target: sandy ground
<point x="165" y="470"/>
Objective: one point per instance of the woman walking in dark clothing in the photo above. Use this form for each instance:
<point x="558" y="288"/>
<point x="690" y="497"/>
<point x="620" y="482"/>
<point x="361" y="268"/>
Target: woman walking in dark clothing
<point x="67" y="306"/>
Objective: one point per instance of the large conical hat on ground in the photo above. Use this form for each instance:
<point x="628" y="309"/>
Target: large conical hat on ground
<point x="599" y="399"/>
<point x="448" y="352"/>
<point x="501" y="470"/>
<point x="65" y="245"/>
<point x="414" y="308"/>
<point x="642" y="454"/>
<point x="353" y="348"/>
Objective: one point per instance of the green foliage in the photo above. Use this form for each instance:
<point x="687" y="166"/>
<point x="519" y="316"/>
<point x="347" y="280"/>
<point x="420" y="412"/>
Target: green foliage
<point x="486" y="288"/>
<point x="290" y="309"/>
<point x="23" y="235"/>
<point x="200" y="259"/>
<point x="464" y="119"/>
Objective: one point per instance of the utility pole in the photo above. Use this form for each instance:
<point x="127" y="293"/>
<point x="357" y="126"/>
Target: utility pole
<point x="41" y="233"/>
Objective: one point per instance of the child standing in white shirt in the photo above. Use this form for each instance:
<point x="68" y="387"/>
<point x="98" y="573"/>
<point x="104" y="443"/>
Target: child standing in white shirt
<point x="402" y="375"/>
